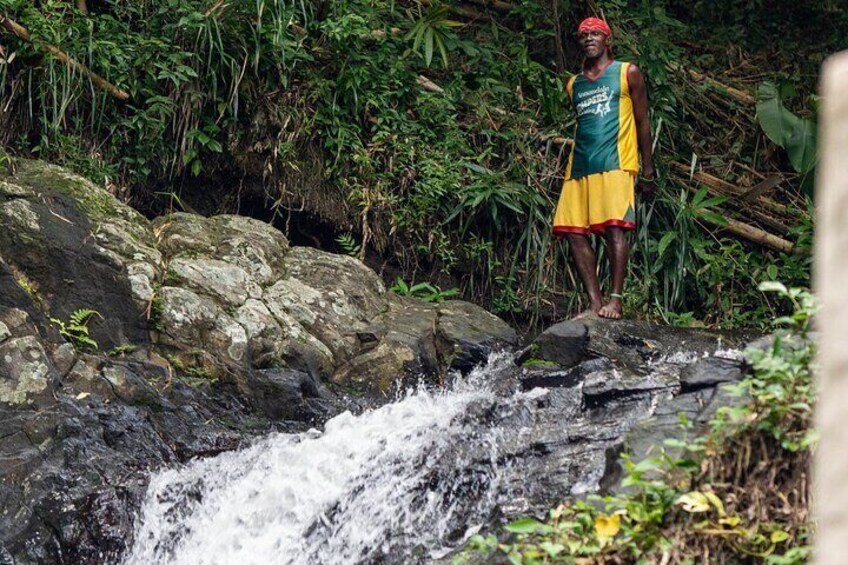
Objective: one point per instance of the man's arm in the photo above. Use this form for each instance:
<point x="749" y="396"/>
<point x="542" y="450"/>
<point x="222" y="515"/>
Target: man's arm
<point x="639" y="96"/>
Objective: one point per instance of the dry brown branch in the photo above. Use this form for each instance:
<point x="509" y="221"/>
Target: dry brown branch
<point x="735" y="93"/>
<point x="213" y="8"/>
<point x="428" y="84"/>
<point x="557" y="139"/>
<point x="82" y="7"/>
<point x="20" y="31"/>
<point x="762" y="187"/>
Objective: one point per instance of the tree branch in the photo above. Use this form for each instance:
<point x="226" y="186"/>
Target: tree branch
<point x="20" y="31"/>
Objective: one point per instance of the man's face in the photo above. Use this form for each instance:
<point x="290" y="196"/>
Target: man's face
<point x="593" y="42"/>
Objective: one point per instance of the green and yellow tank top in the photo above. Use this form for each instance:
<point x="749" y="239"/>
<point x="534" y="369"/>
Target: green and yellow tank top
<point x="606" y="129"/>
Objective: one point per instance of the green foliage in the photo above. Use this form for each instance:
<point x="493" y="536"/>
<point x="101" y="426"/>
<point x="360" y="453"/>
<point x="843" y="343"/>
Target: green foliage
<point x="75" y="330"/>
<point x="535" y="362"/>
<point x="782" y="387"/>
<point x="31" y="290"/>
<point x="349" y="245"/>
<point x="433" y="31"/>
<point x="123" y="349"/>
<point x="670" y="505"/>
<point x="423" y="291"/>
<point x="796" y="135"/>
<point x="322" y="104"/>
<point x="191" y="375"/>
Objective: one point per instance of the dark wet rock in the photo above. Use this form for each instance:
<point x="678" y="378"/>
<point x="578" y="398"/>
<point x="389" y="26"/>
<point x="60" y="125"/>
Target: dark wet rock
<point x="546" y="378"/>
<point x="468" y="334"/>
<point x="602" y="386"/>
<point x="633" y="345"/>
<point x="646" y="438"/>
<point x="75" y="464"/>
<point x="564" y="343"/>
<point x="286" y="394"/>
<point x="709" y="372"/>
<point x="551" y="379"/>
<point x="627" y="394"/>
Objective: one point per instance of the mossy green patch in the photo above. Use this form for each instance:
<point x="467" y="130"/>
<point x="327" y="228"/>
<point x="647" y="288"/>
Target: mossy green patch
<point x="95" y="202"/>
<point x="535" y="362"/>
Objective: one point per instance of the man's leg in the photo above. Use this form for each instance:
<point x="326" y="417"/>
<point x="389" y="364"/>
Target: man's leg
<point x="618" y="251"/>
<point x="587" y="267"/>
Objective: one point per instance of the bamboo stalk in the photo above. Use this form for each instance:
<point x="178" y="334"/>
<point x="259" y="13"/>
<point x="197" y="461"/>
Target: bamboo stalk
<point x="98" y="81"/>
<point x="735" y="93"/>
<point x="428" y="84"/>
<point x="769" y="221"/>
<point x="757" y="235"/>
<point x="557" y="139"/>
<point x="729" y="189"/>
<point x="752" y="233"/>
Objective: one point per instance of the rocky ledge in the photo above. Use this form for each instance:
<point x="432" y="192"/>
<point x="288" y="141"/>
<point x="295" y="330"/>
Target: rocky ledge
<point x="212" y="331"/>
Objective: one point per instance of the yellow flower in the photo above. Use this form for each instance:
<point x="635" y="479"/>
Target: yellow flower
<point x="607" y="526"/>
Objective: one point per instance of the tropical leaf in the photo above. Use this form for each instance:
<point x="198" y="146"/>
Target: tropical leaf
<point x="796" y="135"/>
<point x="527" y="526"/>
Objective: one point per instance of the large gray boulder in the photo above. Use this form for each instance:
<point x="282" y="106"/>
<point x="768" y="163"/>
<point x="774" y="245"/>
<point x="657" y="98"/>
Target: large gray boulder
<point x="223" y="296"/>
<point x="70" y="245"/>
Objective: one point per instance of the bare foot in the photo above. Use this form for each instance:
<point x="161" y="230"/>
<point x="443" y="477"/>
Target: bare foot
<point x="588" y="313"/>
<point x="591" y="311"/>
<point x="611" y="310"/>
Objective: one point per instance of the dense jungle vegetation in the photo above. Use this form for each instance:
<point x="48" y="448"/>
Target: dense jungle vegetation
<point x="429" y="139"/>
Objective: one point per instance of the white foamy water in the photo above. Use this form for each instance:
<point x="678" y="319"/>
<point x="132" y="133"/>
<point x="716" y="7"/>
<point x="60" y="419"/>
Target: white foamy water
<point x="375" y="484"/>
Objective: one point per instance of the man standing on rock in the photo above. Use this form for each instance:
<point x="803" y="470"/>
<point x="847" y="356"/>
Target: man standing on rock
<point x="613" y="132"/>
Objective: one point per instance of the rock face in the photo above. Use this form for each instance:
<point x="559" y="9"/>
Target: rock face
<point x="220" y="296"/>
<point x="622" y="386"/>
<point x="217" y="330"/>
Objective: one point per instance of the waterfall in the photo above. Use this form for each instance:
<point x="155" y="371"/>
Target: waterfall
<point x="413" y="476"/>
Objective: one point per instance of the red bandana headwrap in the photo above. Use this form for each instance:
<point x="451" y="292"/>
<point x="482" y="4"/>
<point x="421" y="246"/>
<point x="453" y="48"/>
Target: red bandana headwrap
<point x="596" y="24"/>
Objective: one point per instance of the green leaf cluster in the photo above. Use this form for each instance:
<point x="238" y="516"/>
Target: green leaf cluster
<point x="76" y="330"/>
<point x="423" y="291"/>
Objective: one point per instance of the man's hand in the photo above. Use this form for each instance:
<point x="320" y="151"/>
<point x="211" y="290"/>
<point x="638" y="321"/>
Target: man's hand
<point x="646" y="183"/>
<point x="647" y="188"/>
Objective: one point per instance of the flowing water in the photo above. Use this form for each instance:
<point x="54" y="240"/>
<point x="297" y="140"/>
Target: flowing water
<point x="412" y="477"/>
